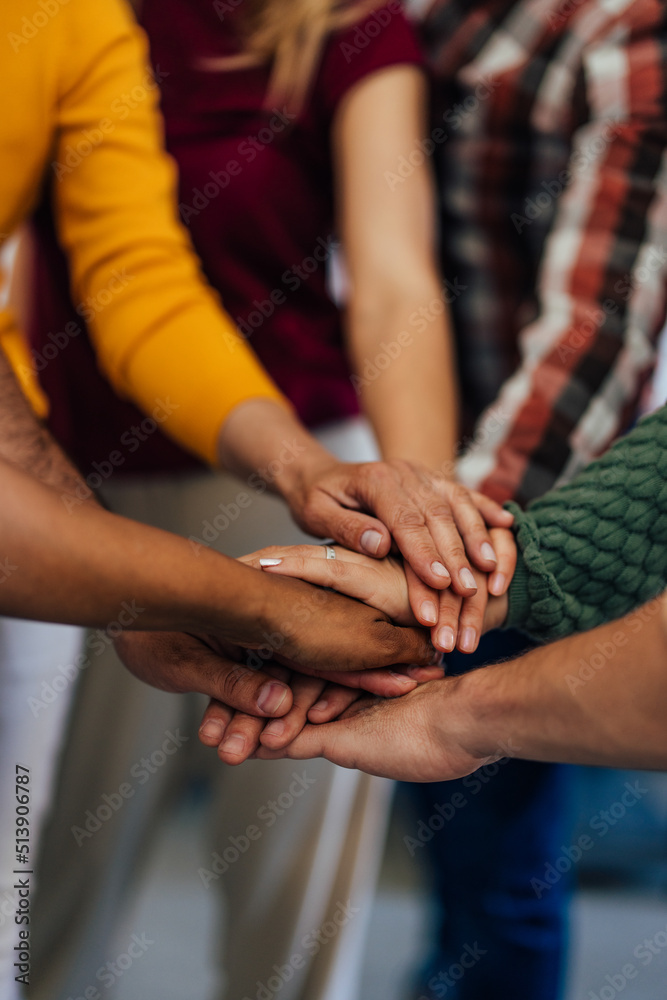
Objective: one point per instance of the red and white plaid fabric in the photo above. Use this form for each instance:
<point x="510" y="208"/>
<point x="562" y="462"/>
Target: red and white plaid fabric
<point x="553" y="180"/>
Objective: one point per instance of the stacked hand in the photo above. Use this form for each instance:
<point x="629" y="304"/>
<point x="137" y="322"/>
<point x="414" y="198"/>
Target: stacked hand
<point x="329" y="648"/>
<point x="382" y="584"/>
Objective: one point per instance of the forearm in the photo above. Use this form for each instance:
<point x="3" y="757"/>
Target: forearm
<point x="265" y="443"/>
<point x="599" y="698"/>
<point x="402" y="354"/>
<point x="26" y="443"/>
<point x="86" y="567"/>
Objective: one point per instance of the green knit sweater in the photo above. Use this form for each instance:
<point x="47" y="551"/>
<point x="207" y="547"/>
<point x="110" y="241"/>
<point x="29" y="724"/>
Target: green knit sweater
<point x="595" y="549"/>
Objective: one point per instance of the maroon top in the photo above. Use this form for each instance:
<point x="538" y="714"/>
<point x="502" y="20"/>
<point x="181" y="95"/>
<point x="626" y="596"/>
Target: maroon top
<point x="256" y="190"/>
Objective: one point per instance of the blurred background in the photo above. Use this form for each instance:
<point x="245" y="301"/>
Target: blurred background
<point x="621" y="902"/>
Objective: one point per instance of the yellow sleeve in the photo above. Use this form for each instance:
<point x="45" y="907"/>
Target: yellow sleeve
<point x="158" y="329"/>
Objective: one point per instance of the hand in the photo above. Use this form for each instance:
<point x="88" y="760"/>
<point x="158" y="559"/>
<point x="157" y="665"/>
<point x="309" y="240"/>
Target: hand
<point x="316" y="631"/>
<point x="237" y="735"/>
<point x="429" y="517"/>
<point x="384" y="584"/>
<point x="413" y="738"/>
<point x="365" y="506"/>
<point x="179" y="662"/>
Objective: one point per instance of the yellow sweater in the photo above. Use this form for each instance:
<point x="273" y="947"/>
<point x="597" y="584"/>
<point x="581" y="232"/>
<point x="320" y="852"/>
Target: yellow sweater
<point x="79" y="112"/>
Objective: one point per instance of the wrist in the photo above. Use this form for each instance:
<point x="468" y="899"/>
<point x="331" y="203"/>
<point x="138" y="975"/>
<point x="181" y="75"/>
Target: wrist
<point x="264" y="439"/>
<point x="231" y="600"/>
<point x="297" y="477"/>
<point x="479" y="715"/>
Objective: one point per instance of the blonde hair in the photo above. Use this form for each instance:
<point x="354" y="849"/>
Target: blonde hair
<point x="290" y="34"/>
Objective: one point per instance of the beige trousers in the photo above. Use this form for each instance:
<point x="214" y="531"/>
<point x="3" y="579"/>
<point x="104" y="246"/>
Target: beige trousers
<point x="294" y="848"/>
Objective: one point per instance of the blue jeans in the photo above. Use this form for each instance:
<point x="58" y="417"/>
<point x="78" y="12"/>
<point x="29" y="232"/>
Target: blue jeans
<point x="499" y="937"/>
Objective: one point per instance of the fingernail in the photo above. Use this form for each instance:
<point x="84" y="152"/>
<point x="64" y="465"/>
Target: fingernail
<point x="440" y="570"/>
<point x="429" y="612"/>
<point x="234" y="745"/>
<point x="488" y="553"/>
<point x="468" y="640"/>
<point x="270" y="562"/>
<point x="371" y="541"/>
<point x="276" y="728"/>
<point x="467" y="579"/>
<point x="497" y="584"/>
<point x="437" y="658"/>
<point x="320" y="706"/>
<point x="212" y="730"/>
<point x="400" y="677"/>
<point x="271" y="697"/>
<point x="446" y="638"/>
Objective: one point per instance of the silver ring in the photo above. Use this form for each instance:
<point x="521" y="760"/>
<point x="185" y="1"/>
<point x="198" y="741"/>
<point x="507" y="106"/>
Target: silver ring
<point x="330" y="551"/>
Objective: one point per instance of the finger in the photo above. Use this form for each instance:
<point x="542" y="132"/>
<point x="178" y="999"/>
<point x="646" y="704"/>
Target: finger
<point x="281" y="552"/>
<point x="306" y="692"/>
<point x="473" y="529"/>
<point x="214" y="723"/>
<point x="334" y="700"/>
<point x="349" y="528"/>
<point x="423" y="674"/>
<point x="399" y="505"/>
<point x="252" y="691"/>
<point x="494" y="515"/>
<point x="241" y="738"/>
<point x="471" y="620"/>
<point x="423" y="599"/>
<point x="446" y="632"/>
<point x="352" y="579"/>
<point x="443" y="526"/>
<point x="337" y="742"/>
<point x="505" y="547"/>
<point x="381" y="681"/>
<point x="310" y="743"/>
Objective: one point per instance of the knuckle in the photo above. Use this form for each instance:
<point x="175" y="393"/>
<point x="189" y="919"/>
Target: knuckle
<point x="409" y="516"/>
<point x="348" y="527"/>
<point x="460" y="493"/>
<point x="236" y="684"/>
<point x="440" y="511"/>
<point x="402" y="466"/>
<point x="337" y="570"/>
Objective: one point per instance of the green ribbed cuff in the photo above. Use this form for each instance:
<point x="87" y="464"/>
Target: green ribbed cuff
<point x="519" y="610"/>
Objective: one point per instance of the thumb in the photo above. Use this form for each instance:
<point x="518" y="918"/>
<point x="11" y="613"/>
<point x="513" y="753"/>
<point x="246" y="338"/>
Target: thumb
<point x="312" y="741"/>
<point x="350" y="528"/>
<point x="237" y="686"/>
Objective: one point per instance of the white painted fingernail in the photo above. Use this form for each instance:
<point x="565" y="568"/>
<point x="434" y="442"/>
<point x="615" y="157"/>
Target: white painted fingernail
<point x="270" y="562"/>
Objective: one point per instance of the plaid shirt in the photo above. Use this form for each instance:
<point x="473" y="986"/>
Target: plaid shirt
<point x="550" y="134"/>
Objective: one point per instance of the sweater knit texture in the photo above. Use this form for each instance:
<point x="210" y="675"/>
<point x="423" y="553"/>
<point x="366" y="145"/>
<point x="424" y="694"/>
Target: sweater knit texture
<point x="596" y="548"/>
